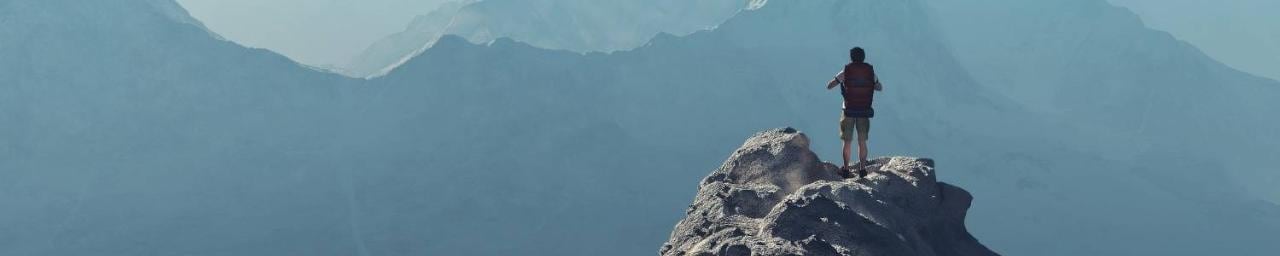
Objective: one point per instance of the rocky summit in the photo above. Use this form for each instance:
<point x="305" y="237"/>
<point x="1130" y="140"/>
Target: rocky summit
<point x="773" y="196"/>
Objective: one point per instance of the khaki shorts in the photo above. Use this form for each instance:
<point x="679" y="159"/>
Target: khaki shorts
<point x="849" y="125"/>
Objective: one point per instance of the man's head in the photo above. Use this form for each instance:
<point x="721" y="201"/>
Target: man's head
<point x="857" y="55"/>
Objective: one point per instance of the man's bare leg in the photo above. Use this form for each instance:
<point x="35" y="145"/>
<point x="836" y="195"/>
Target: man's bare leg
<point x="847" y="148"/>
<point x="862" y="151"/>
<point x="862" y="158"/>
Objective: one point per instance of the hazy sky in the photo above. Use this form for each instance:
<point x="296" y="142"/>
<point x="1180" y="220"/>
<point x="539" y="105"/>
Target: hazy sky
<point x="1244" y="34"/>
<point x="314" y="32"/>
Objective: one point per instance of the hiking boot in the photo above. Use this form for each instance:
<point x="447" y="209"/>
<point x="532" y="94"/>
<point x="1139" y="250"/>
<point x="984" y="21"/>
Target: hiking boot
<point x="845" y="172"/>
<point x="862" y="168"/>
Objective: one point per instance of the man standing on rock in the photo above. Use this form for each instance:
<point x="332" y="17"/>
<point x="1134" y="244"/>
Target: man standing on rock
<point x="858" y="84"/>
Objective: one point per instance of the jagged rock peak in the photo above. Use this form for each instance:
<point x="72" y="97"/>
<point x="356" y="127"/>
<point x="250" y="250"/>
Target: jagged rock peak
<point x="774" y="197"/>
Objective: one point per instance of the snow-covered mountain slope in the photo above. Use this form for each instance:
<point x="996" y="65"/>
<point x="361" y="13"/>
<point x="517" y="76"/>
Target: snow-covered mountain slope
<point x="156" y="138"/>
<point x="575" y="25"/>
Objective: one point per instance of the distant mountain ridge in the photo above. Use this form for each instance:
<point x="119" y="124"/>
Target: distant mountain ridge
<point x="1240" y="33"/>
<point x="390" y="52"/>
<point x="575" y="25"/>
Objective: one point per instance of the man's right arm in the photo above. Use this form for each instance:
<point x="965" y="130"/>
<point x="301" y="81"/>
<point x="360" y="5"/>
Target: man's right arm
<point x="836" y="80"/>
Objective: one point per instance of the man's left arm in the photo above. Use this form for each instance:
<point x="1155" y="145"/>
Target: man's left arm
<point x="876" y="78"/>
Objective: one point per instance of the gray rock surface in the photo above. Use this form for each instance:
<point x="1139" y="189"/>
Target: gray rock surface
<point x="773" y="196"/>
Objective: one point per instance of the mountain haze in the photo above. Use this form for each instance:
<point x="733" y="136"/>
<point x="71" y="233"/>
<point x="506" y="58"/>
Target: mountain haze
<point x="1240" y="33"/>
<point x="1097" y="65"/>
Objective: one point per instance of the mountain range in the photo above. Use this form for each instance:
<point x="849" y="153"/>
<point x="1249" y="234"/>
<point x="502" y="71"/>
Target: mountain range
<point x="140" y="132"/>
<point x="574" y="25"/>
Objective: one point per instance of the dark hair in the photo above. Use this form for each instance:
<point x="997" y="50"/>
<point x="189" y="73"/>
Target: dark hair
<point x="857" y="54"/>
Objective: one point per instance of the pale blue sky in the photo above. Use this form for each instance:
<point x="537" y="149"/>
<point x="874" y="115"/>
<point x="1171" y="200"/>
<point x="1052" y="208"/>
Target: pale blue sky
<point x="314" y="32"/>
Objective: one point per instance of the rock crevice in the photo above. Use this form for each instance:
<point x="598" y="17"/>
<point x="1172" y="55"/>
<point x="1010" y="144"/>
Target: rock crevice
<point x="773" y="196"/>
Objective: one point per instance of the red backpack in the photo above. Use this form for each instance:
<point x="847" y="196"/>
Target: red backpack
<point x="858" y="89"/>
